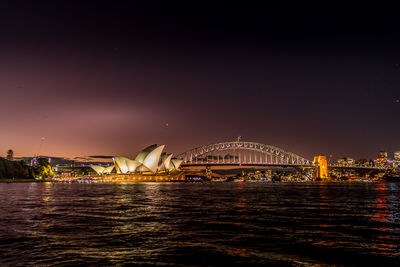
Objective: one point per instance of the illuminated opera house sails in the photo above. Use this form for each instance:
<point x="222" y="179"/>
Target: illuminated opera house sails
<point x="151" y="159"/>
<point x="102" y="170"/>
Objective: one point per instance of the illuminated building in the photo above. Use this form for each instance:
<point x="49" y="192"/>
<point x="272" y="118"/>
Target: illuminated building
<point x="151" y="159"/>
<point x="382" y="155"/>
<point x="102" y="170"/>
<point x="396" y="158"/>
<point x="72" y="171"/>
<point x="345" y="161"/>
<point x="381" y="160"/>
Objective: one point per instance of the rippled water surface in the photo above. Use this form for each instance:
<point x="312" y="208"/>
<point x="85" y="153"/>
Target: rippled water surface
<point x="200" y="224"/>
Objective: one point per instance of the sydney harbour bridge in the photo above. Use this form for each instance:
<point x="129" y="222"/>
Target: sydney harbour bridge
<point x="244" y="154"/>
<point x="239" y="152"/>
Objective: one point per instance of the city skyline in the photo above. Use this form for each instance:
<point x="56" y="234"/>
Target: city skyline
<point x="109" y="158"/>
<point x="110" y="79"/>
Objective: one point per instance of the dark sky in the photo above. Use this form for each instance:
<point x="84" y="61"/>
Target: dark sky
<point x="109" y="78"/>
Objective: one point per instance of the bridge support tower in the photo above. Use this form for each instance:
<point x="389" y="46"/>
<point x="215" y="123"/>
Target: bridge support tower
<point x="322" y="166"/>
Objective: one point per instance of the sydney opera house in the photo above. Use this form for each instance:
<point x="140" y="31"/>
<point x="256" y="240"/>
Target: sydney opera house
<point x="102" y="170"/>
<point x="152" y="159"/>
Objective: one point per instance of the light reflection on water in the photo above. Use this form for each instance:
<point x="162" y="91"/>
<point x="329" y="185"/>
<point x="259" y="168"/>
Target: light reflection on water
<point x="200" y="224"/>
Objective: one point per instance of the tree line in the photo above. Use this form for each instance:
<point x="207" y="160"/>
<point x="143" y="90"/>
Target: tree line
<point x="10" y="169"/>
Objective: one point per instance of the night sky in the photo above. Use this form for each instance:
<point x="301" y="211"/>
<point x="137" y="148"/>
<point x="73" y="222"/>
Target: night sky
<point x="110" y="78"/>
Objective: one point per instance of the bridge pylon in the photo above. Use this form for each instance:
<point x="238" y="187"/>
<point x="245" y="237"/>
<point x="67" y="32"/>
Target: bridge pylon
<point x="322" y="169"/>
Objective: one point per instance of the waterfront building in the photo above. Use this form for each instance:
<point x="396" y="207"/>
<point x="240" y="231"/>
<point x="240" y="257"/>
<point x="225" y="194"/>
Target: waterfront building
<point x="152" y="159"/>
<point x="397" y="158"/>
<point x="382" y="155"/>
<point x="72" y="171"/>
<point x="102" y="170"/>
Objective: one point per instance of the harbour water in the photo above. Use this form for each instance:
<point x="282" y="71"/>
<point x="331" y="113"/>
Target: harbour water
<point x="181" y="224"/>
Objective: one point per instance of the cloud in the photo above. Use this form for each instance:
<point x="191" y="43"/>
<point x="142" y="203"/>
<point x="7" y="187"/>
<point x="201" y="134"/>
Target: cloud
<point x="85" y="158"/>
<point x="100" y="157"/>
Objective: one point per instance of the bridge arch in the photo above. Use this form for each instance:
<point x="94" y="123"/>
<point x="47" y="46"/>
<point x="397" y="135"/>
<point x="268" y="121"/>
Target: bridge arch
<point x="236" y="152"/>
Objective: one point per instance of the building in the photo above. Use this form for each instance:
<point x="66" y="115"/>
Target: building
<point x="345" y="161"/>
<point x="396" y="158"/>
<point x="382" y="159"/>
<point x="383" y="155"/>
<point x="363" y="162"/>
<point x="72" y="171"/>
<point x="102" y="170"/>
<point x="152" y="159"/>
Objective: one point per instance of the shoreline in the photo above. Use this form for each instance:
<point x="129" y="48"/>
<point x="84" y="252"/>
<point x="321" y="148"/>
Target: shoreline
<point x="20" y="180"/>
<point x="181" y="181"/>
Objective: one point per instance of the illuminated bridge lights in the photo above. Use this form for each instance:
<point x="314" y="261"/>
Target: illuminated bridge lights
<point x="241" y="153"/>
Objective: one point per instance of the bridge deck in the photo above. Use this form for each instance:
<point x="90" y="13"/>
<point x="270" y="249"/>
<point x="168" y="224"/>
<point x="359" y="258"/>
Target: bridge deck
<point x="246" y="164"/>
<point x="238" y="165"/>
